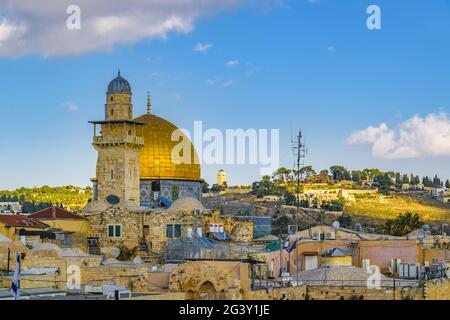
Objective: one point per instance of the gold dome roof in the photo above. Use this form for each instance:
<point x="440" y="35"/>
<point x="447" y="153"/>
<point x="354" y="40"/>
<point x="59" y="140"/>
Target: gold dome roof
<point x="156" y="159"/>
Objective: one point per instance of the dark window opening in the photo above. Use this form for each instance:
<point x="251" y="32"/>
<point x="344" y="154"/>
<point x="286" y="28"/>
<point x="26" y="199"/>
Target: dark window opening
<point x="173" y="231"/>
<point x="156" y="186"/>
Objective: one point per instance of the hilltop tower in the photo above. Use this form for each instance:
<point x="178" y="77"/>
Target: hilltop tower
<point x="221" y="178"/>
<point x="118" y="144"/>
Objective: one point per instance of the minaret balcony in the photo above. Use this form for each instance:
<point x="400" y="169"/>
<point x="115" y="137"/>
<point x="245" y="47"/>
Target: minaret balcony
<point x="120" y="139"/>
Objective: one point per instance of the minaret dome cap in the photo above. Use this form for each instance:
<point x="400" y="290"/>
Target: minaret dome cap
<point x="119" y="85"/>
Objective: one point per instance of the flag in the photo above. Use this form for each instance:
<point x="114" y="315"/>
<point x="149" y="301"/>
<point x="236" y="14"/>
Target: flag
<point x="286" y="245"/>
<point x="293" y="247"/>
<point x="15" y="285"/>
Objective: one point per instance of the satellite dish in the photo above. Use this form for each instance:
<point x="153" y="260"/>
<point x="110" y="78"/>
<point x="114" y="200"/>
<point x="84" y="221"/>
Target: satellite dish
<point x="113" y="200"/>
<point x="336" y="224"/>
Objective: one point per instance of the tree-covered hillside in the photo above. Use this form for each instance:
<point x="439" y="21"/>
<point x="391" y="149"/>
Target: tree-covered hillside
<point x="34" y="199"/>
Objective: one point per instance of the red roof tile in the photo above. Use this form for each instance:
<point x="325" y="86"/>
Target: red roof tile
<point x="21" y="221"/>
<point x="55" y="213"/>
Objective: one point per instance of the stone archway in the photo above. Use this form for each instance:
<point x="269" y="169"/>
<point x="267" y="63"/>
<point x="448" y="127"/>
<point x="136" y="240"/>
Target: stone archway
<point x="207" y="291"/>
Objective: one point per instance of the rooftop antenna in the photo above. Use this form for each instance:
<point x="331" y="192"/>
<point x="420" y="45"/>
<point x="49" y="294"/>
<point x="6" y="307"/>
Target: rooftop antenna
<point x="299" y="150"/>
<point x="149" y="104"/>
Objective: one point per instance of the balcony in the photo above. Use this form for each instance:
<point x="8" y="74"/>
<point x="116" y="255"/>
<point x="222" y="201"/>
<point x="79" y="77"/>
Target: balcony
<point x="120" y="139"/>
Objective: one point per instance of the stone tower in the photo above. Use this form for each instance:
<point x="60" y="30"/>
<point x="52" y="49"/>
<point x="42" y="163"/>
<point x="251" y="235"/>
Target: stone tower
<point x="118" y="144"/>
<point x="221" y="178"/>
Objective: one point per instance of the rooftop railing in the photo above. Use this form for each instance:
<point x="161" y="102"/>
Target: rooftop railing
<point x="119" y="139"/>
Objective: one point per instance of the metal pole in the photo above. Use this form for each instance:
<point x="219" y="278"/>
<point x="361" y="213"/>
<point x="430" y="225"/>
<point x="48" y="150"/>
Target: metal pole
<point x="296" y="252"/>
<point x="242" y="253"/>
<point x="253" y="275"/>
<point x="289" y="263"/>
<point x="394" y="289"/>
<point x="9" y="258"/>
<point x="310" y="231"/>
<point x="281" y="259"/>
<point x="260" y="275"/>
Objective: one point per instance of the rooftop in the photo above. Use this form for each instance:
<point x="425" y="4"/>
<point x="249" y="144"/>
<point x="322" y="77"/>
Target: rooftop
<point x="21" y="221"/>
<point x="336" y="252"/>
<point x="53" y="213"/>
<point x="346" y="276"/>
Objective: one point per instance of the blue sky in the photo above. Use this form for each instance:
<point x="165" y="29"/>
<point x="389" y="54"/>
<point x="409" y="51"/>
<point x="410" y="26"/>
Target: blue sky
<point x="301" y="64"/>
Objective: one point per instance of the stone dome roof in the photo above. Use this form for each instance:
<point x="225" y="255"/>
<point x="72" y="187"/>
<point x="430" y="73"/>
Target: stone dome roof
<point x="156" y="156"/>
<point x="186" y="204"/>
<point x="119" y="85"/>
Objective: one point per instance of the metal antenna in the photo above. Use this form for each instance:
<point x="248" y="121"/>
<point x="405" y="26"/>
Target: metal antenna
<point x="148" y="102"/>
<point x="299" y="150"/>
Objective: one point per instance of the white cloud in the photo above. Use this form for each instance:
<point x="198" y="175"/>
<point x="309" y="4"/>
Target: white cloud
<point x="39" y="27"/>
<point x="413" y="138"/>
<point x="210" y="82"/>
<point x="70" y="106"/>
<point x="228" y="83"/>
<point x="232" y="63"/>
<point x="9" y="30"/>
<point x="203" y="48"/>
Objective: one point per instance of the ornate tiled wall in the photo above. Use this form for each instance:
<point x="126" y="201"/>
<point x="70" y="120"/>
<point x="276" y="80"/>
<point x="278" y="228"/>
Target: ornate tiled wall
<point x="170" y="189"/>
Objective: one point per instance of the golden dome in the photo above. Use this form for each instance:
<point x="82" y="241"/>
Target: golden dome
<point x="156" y="159"/>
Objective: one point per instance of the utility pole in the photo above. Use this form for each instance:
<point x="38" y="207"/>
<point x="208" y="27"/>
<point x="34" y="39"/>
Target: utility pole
<point x="281" y="255"/>
<point x="9" y="258"/>
<point x="299" y="150"/>
<point x="297" y="262"/>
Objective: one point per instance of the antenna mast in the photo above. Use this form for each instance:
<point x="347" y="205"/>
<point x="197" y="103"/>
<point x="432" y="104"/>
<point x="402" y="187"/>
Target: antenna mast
<point x="299" y="150"/>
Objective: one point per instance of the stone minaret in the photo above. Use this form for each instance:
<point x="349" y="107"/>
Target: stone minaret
<point x="118" y="145"/>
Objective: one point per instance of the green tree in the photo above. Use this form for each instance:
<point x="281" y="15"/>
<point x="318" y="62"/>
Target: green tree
<point x="216" y="188"/>
<point x="345" y="220"/>
<point x="369" y="175"/>
<point x="405" y="179"/>
<point x="333" y="205"/>
<point x="307" y="171"/>
<point x="437" y="182"/>
<point x="205" y="187"/>
<point x="357" y="176"/>
<point x="340" y="173"/>
<point x="403" y="224"/>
